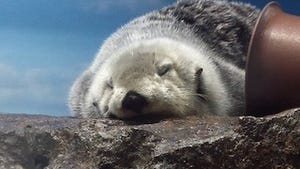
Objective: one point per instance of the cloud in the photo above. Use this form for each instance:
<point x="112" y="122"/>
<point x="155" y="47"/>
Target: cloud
<point x="34" y="90"/>
<point x="107" y="5"/>
<point x="18" y="84"/>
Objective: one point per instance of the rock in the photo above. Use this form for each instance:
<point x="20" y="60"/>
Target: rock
<point x="210" y="142"/>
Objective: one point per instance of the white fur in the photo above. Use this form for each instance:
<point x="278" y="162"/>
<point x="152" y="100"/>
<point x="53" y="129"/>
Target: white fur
<point x="134" y="54"/>
<point x="185" y="55"/>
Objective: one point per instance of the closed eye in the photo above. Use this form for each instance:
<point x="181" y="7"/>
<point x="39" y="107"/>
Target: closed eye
<point x="109" y="83"/>
<point x="162" y="70"/>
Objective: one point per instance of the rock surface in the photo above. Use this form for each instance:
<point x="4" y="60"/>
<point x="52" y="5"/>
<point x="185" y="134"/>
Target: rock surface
<point x="36" y="142"/>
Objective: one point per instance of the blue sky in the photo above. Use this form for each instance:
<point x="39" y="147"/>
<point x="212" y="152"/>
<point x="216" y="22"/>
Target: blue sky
<point x="44" y="45"/>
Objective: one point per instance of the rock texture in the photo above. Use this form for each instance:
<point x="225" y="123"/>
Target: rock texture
<point x="36" y="142"/>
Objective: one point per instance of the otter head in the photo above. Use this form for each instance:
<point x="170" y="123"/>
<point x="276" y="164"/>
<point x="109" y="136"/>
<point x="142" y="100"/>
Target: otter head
<point x="149" y="81"/>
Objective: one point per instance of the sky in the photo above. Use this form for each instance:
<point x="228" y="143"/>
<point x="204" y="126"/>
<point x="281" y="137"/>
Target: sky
<point x="45" y="45"/>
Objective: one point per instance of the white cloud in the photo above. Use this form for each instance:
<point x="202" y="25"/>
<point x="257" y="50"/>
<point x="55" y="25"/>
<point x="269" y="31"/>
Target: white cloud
<point x="32" y="88"/>
<point x="6" y="70"/>
<point x="106" y="5"/>
<point x="20" y="84"/>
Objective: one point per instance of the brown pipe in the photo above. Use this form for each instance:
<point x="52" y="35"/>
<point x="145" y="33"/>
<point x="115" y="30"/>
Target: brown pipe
<point x="273" y="63"/>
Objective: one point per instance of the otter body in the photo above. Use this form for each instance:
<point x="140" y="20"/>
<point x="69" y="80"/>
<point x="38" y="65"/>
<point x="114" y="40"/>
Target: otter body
<point x="187" y="58"/>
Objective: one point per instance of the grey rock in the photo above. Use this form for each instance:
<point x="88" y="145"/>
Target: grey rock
<point x="212" y="142"/>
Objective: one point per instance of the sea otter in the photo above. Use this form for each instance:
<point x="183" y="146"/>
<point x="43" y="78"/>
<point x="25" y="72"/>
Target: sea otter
<point x="187" y="58"/>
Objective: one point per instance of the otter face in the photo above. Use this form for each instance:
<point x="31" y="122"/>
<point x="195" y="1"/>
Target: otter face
<point x="146" y="83"/>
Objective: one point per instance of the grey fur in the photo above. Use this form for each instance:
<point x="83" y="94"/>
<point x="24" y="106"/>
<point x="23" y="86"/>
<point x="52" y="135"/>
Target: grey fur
<point x="223" y="27"/>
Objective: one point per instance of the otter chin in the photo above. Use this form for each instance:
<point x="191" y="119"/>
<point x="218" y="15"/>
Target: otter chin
<point x="160" y="64"/>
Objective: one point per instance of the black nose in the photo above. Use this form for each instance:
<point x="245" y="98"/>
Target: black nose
<point x="134" y="102"/>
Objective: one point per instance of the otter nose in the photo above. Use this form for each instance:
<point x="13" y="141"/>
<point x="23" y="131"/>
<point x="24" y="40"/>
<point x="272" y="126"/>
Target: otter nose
<point x="134" y="102"/>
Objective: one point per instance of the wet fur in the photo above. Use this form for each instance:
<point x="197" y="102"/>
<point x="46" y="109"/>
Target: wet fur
<point x="191" y="35"/>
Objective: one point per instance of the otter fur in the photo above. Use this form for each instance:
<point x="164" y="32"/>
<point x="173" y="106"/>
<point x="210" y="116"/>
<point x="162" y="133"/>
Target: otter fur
<point x="187" y="58"/>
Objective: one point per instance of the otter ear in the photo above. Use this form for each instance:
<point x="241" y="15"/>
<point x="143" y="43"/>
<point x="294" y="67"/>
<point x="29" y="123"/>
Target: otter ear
<point x="199" y="80"/>
<point x="198" y="72"/>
